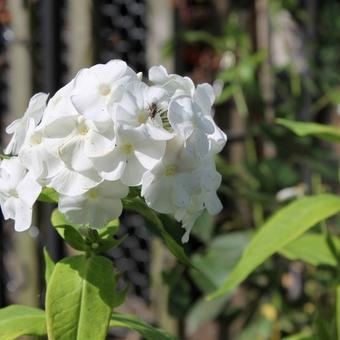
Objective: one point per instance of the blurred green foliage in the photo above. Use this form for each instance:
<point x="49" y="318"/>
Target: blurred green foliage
<point x="284" y="296"/>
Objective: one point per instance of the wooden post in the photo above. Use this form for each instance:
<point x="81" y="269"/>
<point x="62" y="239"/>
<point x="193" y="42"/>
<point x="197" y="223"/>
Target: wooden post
<point x="25" y="281"/>
<point x="79" y="36"/>
<point x="262" y="43"/>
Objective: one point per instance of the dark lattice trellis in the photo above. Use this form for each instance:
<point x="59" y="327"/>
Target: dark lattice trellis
<point x="119" y="31"/>
<point x="4" y="38"/>
<point x="47" y="19"/>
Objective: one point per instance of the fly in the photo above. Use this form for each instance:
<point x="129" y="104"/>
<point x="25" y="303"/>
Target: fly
<point x="152" y="109"/>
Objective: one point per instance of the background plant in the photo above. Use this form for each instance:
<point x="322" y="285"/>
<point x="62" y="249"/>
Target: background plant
<point x="280" y="297"/>
<point x="274" y="167"/>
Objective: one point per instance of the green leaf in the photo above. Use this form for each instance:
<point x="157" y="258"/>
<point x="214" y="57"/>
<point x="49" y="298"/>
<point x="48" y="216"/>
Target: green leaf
<point x="58" y="219"/>
<point x="48" y="195"/>
<point x="258" y="327"/>
<point x="338" y="310"/>
<point x="204" y="311"/>
<point x="218" y="260"/>
<point x="284" y="227"/>
<point x="121" y="295"/>
<point x="66" y="231"/>
<point x="109" y="230"/>
<point x="49" y="265"/>
<point x="18" y="320"/>
<point x="106" y="235"/>
<point x="137" y="205"/>
<point x="179" y="297"/>
<point x="326" y="132"/>
<point x="324" y="326"/>
<point x="203" y="36"/>
<point x="109" y="243"/>
<point x="204" y="226"/>
<point x="334" y="95"/>
<point x="226" y="93"/>
<point x="80" y="298"/>
<point x="304" y="247"/>
<point x="147" y="331"/>
<point x="71" y="236"/>
<point x="302" y="336"/>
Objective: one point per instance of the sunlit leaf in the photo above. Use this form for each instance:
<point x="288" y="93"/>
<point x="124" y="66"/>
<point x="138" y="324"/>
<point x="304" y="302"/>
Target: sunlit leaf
<point x="147" y="331"/>
<point x="70" y="234"/>
<point x="218" y="260"/>
<point x="49" y="266"/>
<point x="304" y="247"/>
<point x="203" y="311"/>
<point x="80" y="298"/>
<point x="326" y="132"/>
<point x="284" y="227"/>
<point x="302" y="336"/>
<point x="48" y="195"/>
<point x="16" y="321"/>
<point x="338" y="310"/>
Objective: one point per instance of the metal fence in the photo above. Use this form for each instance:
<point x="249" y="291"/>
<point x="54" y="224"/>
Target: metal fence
<point x="119" y="31"/>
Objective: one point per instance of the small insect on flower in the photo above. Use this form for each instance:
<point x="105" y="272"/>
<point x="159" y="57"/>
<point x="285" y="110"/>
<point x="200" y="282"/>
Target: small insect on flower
<point x="152" y="110"/>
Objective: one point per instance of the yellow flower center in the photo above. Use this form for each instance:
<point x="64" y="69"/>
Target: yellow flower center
<point x="82" y="128"/>
<point x="92" y="194"/>
<point x="13" y="193"/>
<point x="36" y="139"/>
<point x="127" y="148"/>
<point x="142" y="118"/>
<point x="170" y="170"/>
<point x="104" y="89"/>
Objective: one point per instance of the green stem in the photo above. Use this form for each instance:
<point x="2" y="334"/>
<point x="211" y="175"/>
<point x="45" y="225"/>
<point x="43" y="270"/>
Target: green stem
<point x="331" y="244"/>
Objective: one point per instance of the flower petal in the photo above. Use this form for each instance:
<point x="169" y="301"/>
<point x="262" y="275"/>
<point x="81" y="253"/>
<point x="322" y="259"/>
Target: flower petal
<point x="110" y="166"/>
<point x="23" y="216"/>
<point x="212" y="203"/>
<point x="68" y="182"/>
<point x="133" y="172"/>
<point x="97" y="145"/>
<point x="28" y="190"/>
<point x="72" y="153"/>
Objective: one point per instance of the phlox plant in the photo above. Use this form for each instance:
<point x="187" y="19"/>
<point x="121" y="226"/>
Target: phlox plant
<point x="106" y="141"/>
<point x="109" y="141"/>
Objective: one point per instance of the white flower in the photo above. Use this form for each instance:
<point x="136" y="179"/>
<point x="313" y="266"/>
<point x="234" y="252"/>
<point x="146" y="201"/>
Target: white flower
<point x="97" y="206"/>
<point x="57" y="154"/>
<point x="172" y="83"/>
<point x="204" y="96"/>
<point x="78" y="139"/>
<point x="188" y="216"/>
<point x="60" y="105"/>
<point x="135" y="152"/>
<point x="18" y="192"/>
<point x="19" y="127"/>
<point x="217" y="140"/>
<point x="169" y="185"/>
<point x="143" y="105"/>
<point x="73" y="140"/>
<point x="96" y="86"/>
<point x="107" y="130"/>
<point x="182" y="185"/>
<point x="69" y="182"/>
<point x="209" y="181"/>
<point x="38" y="157"/>
<point x="191" y="118"/>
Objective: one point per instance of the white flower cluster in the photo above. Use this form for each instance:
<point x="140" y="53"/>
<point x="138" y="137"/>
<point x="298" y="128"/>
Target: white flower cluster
<point x="108" y="130"/>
